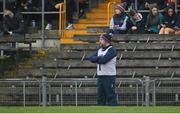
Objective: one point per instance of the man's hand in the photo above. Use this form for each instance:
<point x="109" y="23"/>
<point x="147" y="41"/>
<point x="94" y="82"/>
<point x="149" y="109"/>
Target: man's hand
<point x="134" y="28"/>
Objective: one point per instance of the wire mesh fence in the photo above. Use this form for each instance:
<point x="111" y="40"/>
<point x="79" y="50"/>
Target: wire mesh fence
<point x="167" y="91"/>
<point x="130" y="92"/>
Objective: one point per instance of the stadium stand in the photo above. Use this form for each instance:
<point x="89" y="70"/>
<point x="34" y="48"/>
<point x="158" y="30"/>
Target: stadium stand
<point x="139" y="55"/>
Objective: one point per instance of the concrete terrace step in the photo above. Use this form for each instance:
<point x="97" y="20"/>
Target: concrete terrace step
<point x="96" y="10"/>
<point x="120" y="64"/>
<point x="78" y="55"/>
<point x="98" y="29"/>
<point x="93" y="21"/>
<point x="90" y="73"/>
<point x="48" y="34"/>
<point x="84" y="26"/>
<point x="128" y="46"/>
<point x="96" y="15"/>
<point x="131" y="38"/>
<point x="69" y="41"/>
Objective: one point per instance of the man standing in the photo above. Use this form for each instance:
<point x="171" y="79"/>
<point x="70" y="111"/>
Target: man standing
<point x="105" y="58"/>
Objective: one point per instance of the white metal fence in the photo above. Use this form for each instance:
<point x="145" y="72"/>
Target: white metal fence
<point x="82" y="92"/>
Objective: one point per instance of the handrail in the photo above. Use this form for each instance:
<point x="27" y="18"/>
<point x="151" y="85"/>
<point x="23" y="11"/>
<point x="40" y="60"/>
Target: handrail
<point x="108" y="11"/>
<point x="62" y="17"/>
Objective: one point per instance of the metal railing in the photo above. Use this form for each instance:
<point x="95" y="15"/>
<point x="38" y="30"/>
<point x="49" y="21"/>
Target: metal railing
<point x="62" y="18"/>
<point x="109" y="15"/>
<point x="77" y="92"/>
<point x="83" y="92"/>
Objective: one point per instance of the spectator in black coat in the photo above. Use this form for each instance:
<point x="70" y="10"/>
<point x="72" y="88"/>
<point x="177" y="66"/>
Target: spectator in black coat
<point x="169" y="22"/>
<point x="13" y="22"/>
<point x="135" y="22"/>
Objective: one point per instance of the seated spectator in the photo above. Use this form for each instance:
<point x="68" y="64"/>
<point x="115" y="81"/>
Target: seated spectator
<point x="118" y="21"/>
<point x="29" y="5"/>
<point x="154" y="21"/>
<point x="160" y="4"/>
<point x="135" y="22"/>
<point x="177" y="25"/>
<point x="169" y="22"/>
<point x="13" y="22"/>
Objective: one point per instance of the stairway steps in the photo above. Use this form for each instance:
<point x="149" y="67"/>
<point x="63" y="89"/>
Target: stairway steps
<point x="103" y="6"/>
<point x="101" y="10"/>
<point x="70" y="41"/>
<point x="84" y="26"/>
<point x="93" y="21"/>
<point x="95" y="18"/>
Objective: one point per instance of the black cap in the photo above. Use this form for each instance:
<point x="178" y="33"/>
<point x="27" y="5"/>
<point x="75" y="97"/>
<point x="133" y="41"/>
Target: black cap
<point x="107" y="37"/>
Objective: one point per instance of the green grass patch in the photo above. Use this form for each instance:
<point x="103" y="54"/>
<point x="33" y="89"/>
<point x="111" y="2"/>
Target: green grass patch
<point x="90" y="109"/>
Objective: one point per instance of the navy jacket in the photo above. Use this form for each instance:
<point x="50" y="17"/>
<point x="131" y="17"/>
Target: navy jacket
<point x="103" y="60"/>
<point x="170" y="21"/>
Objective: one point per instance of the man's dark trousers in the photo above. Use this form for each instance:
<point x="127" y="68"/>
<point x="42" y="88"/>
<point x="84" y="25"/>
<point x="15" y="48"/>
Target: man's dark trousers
<point x="106" y="91"/>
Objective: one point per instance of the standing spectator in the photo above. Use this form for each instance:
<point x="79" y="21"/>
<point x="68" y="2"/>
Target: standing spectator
<point x="29" y="5"/>
<point x="135" y="22"/>
<point x="119" y="20"/>
<point x="13" y="22"/>
<point x="70" y="10"/>
<point x="160" y="4"/>
<point x="105" y="58"/>
<point x="154" y="21"/>
<point x="83" y="5"/>
<point x="169" y="22"/>
<point x="50" y="5"/>
<point x="131" y="4"/>
<point x="177" y="25"/>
